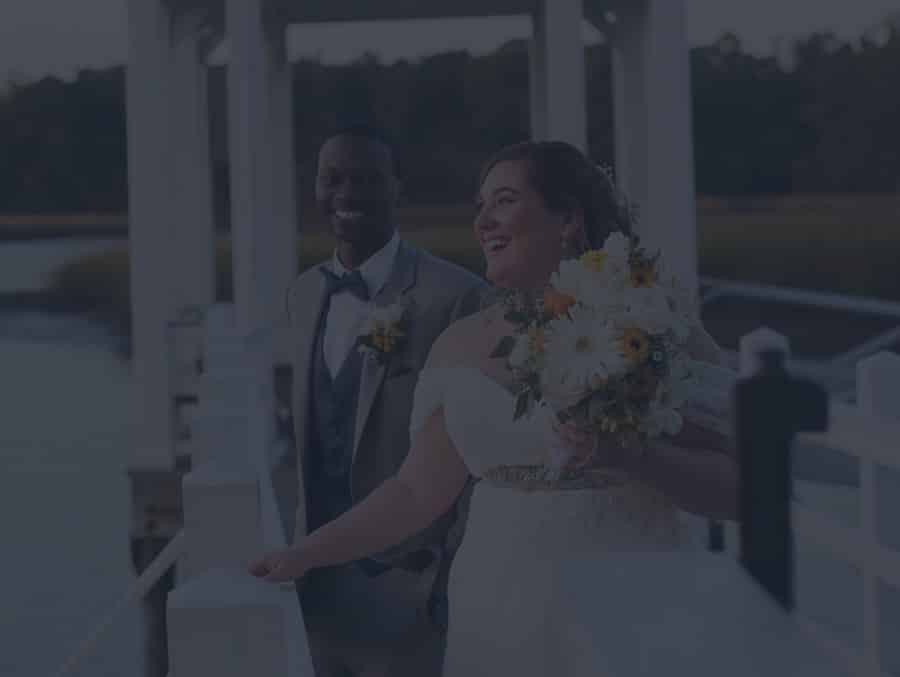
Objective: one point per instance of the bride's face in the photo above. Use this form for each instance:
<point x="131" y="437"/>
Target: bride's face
<point x="521" y="239"/>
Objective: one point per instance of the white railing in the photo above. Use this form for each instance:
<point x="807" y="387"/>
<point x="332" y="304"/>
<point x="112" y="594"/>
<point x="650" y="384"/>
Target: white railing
<point x="221" y="620"/>
<point x="870" y="432"/>
<point x="803" y="297"/>
<point x="134" y="593"/>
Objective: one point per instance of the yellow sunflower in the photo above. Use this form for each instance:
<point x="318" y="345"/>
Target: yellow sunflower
<point x="635" y="345"/>
<point x="594" y="260"/>
<point x="643" y="275"/>
<point x="385" y="336"/>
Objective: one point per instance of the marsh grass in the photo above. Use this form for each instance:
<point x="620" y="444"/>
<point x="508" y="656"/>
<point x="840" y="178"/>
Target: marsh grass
<point x="845" y="244"/>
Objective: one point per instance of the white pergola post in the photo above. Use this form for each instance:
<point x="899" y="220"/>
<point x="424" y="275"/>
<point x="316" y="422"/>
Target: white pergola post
<point x="537" y="79"/>
<point x="261" y="164"/>
<point x="192" y="248"/>
<point x="150" y="221"/>
<point x="653" y="131"/>
<point x="558" y="101"/>
<point x="281" y="127"/>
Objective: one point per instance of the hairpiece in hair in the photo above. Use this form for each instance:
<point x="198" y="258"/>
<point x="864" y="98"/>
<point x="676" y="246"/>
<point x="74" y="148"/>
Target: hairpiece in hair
<point x="629" y="208"/>
<point x="607" y="171"/>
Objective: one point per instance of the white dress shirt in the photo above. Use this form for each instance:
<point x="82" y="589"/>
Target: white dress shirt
<point x="347" y="313"/>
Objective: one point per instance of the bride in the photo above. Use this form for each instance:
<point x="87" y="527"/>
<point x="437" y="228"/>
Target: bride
<point x="538" y="204"/>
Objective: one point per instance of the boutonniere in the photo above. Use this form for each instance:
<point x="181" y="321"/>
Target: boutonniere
<point x="384" y="331"/>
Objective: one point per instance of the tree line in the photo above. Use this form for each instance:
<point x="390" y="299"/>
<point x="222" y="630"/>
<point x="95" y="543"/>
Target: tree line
<point x="824" y="120"/>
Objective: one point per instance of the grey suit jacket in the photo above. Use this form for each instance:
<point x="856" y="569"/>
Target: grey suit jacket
<point x="436" y="293"/>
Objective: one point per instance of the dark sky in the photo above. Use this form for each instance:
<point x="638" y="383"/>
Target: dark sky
<point x="41" y="36"/>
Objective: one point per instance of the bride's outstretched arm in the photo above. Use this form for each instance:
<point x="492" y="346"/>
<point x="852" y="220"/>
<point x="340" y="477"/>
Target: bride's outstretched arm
<point x="425" y="488"/>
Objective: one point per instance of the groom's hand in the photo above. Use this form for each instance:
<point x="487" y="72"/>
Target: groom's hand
<point x="280" y="566"/>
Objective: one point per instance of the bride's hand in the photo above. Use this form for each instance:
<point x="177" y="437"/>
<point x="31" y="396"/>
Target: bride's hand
<point x="577" y="443"/>
<point x="281" y="565"/>
<point x="587" y="449"/>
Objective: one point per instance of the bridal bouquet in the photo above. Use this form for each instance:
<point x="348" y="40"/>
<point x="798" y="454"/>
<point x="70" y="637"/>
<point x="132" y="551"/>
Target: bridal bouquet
<point x="603" y="346"/>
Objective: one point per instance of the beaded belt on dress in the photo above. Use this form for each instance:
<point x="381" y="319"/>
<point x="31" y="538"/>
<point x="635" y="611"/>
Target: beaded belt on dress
<point x="537" y="477"/>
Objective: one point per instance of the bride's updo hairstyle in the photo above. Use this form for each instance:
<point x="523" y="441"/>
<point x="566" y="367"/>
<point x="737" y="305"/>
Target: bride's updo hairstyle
<point x="566" y="179"/>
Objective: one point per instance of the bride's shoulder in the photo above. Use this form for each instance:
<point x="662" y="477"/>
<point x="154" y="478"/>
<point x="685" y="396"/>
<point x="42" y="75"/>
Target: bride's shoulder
<point x="464" y="342"/>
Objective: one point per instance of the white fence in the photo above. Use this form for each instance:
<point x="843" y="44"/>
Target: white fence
<point x="223" y="621"/>
<point x="231" y="514"/>
<point x="870" y="433"/>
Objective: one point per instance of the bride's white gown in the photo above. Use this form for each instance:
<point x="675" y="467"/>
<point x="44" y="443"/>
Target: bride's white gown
<point x="501" y="584"/>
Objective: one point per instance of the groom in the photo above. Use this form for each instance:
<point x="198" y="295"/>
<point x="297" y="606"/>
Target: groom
<point x="380" y="617"/>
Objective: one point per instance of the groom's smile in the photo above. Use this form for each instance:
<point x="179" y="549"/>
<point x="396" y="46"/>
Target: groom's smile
<point x="349" y="215"/>
<point x="356" y="190"/>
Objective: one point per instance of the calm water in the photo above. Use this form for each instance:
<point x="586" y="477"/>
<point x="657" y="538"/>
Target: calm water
<point x="67" y="408"/>
<point x="27" y="265"/>
<point x="66" y="403"/>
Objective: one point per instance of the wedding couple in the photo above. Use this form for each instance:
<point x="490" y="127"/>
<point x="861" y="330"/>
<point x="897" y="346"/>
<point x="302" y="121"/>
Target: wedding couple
<point x="417" y="486"/>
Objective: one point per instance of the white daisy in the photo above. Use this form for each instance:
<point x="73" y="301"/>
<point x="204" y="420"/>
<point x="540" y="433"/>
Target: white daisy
<point x="617" y="247"/>
<point x="661" y="419"/>
<point x="579" y="350"/>
<point x="651" y="309"/>
<point x="572" y="279"/>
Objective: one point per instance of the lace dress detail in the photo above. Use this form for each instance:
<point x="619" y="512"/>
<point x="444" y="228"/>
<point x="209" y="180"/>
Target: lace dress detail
<point x="502" y="581"/>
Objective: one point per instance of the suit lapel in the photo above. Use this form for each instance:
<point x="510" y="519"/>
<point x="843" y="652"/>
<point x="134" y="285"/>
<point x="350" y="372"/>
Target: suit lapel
<point x="308" y="323"/>
<point x="401" y="280"/>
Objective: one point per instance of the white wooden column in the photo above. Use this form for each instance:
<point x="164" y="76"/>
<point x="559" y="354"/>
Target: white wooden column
<point x="260" y="167"/>
<point x="537" y="79"/>
<point x="281" y="127"/>
<point x="653" y="133"/>
<point x="192" y="251"/>
<point x="558" y="73"/>
<point x="150" y="246"/>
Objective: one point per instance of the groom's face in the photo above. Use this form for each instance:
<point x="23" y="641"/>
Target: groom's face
<point x="356" y="189"/>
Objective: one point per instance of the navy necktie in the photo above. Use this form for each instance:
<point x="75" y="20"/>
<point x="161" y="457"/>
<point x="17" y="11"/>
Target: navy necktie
<point x="352" y="282"/>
